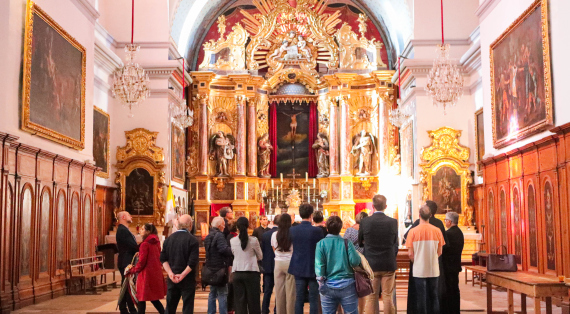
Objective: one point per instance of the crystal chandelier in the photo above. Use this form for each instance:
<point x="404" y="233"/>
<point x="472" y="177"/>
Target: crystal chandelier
<point x="445" y="82"/>
<point x="397" y="116"/>
<point x="182" y="115"/>
<point x="131" y="83"/>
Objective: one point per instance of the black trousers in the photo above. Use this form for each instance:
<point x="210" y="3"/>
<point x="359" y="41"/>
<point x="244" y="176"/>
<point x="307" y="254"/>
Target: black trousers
<point x="157" y="305"/>
<point x="452" y="297"/>
<point x="246" y="292"/>
<point x="127" y="306"/>
<point x="186" y="289"/>
<point x="268" y="284"/>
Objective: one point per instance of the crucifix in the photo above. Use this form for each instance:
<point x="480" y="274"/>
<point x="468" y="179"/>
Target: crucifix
<point x="294" y="176"/>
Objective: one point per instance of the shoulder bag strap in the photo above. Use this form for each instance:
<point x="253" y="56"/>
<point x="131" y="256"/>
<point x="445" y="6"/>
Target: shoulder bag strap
<point x="346" y="247"/>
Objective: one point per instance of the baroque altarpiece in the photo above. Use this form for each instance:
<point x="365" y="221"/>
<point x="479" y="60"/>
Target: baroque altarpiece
<point x="290" y="106"/>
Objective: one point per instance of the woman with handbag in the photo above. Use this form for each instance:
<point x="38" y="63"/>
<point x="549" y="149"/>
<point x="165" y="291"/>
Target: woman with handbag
<point x="335" y="259"/>
<point x="150" y="281"/>
<point x="245" y="270"/>
<point x="285" y="293"/>
<point x="214" y="272"/>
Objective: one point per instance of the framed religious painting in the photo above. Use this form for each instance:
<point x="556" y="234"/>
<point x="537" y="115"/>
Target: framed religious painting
<point x="53" y="88"/>
<point x="479" y="140"/>
<point x="521" y="88"/>
<point x="101" y="141"/>
<point x="178" y="153"/>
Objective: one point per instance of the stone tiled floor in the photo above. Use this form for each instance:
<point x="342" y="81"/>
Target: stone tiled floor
<point x="473" y="300"/>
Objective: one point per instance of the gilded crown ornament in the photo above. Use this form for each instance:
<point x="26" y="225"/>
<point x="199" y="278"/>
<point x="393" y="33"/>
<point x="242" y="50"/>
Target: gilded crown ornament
<point x="131" y="83"/>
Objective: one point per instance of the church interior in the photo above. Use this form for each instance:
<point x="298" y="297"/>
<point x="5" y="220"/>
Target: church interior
<point x="264" y="105"/>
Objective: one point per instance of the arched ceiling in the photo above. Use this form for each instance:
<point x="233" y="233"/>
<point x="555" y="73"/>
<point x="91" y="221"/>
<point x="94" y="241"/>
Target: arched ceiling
<point x="192" y="19"/>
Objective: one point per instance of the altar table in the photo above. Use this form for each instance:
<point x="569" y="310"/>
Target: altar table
<point x="534" y="285"/>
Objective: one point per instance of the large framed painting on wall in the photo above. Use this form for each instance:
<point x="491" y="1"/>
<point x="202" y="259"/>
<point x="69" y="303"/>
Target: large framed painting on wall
<point x="53" y="88"/>
<point x="479" y="140"/>
<point x="101" y="141"/>
<point x="521" y="88"/>
<point x="178" y="150"/>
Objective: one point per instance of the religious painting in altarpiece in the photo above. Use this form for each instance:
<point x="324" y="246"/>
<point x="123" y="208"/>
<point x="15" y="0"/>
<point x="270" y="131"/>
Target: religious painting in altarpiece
<point x="293" y="144"/>
<point x="178" y="153"/>
<point x="53" y="87"/>
<point x="521" y="88"/>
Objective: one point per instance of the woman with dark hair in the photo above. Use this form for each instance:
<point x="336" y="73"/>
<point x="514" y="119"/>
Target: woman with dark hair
<point x="285" y="292"/>
<point x="319" y="221"/>
<point x="245" y="270"/>
<point x="150" y="281"/>
<point x="335" y="259"/>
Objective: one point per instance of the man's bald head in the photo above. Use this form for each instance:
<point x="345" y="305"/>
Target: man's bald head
<point x="185" y="222"/>
<point x="425" y="212"/>
<point x="124" y="217"/>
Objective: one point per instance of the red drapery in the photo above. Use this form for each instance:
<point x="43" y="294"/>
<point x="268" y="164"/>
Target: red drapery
<point x="273" y="138"/>
<point x="215" y="209"/>
<point x="313" y="129"/>
<point x="358" y="207"/>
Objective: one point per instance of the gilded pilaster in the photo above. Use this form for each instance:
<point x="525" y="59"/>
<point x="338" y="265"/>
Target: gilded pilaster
<point x="241" y="135"/>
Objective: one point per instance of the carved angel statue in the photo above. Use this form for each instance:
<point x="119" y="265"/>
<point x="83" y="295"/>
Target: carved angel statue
<point x="302" y="46"/>
<point x="279" y="51"/>
<point x="264" y="153"/>
<point x="222" y="149"/>
<point x="363" y="146"/>
<point x="321" y="144"/>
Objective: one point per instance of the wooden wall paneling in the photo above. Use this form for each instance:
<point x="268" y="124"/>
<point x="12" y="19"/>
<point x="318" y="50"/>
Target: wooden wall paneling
<point x="491" y="205"/>
<point x="564" y="174"/>
<point x="516" y="221"/>
<point x="531" y="232"/>
<point x="549" y="219"/>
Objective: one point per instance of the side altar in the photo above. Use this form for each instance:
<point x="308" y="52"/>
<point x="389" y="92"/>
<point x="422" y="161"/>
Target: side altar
<point x="291" y="106"/>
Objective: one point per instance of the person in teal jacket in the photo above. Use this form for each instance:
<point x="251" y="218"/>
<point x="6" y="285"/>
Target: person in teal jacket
<point x="334" y="270"/>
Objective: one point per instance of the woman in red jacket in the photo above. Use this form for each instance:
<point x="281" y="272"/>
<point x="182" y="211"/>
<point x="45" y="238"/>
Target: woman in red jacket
<point x="150" y="282"/>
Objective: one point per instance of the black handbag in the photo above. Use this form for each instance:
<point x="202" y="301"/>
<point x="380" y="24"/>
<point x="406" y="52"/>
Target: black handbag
<point x="501" y="262"/>
<point x="213" y="277"/>
<point x="361" y="280"/>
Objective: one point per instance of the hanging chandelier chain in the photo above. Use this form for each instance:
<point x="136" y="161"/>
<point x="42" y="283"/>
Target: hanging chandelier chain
<point x="442" y="37"/>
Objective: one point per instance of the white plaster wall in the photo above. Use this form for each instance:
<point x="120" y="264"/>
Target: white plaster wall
<point x="68" y="16"/>
<point x="493" y="24"/>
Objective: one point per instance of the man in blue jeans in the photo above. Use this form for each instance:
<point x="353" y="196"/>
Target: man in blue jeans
<point x="304" y="238"/>
<point x="425" y="244"/>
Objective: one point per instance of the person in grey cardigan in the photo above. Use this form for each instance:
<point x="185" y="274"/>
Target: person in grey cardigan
<point x="245" y="270"/>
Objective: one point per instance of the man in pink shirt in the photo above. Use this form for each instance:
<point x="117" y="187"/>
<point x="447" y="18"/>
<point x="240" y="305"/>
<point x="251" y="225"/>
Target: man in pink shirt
<point x="425" y="244"/>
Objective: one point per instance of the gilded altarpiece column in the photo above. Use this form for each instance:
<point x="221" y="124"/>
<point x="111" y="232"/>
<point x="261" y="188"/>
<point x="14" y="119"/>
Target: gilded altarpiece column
<point x="333" y="140"/>
<point x="241" y="135"/>
<point x="344" y="157"/>
<point x="251" y="140"/>
<point x="203" y="134"/>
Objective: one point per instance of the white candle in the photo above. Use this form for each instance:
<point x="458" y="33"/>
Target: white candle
<point x="308" y="194"/>
<point x="306" y="177"/>
<point x="272" y="183"/>
<point x="314" y="183"/>
<point x="281" y="174"/>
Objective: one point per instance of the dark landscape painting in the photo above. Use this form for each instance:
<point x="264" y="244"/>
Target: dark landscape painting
<point x="139" y="196"/>
<point x="293" y="149"/>
<point x="54" y="91"/>
<point x="101" y="138"/>
<point x="178" y="153"/>
<point x="446" y="190"/>
<point x="520" y="67"/>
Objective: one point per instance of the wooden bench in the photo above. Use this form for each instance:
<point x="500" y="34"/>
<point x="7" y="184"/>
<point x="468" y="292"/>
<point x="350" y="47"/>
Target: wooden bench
<point x="536" y="286"/>
<point x="476" y="271"/>
<point x="88" y="269"/>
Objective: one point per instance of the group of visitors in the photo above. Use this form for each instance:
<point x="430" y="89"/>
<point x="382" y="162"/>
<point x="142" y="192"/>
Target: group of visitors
<point x="304" y="262"/>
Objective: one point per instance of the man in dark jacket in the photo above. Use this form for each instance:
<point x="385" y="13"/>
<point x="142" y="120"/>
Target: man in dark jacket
<point x="268" y="266"/>
<point x="228" y="214"/>
<point x="217" y="253"/>
<point x="452" y="264"/>
<point x="378" y="234"/>
<point x="304" y="238"/>
<point x="128" y="247"/>
<point x="179" y="257"/>
<point x="441" y="282"/>
<point x="259" y="231"/>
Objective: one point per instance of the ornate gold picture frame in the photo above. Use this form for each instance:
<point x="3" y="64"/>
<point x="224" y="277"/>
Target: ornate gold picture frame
<point x="53" y="87"/>
<point x="479" y="140"/>
<point x="521" y="87"/>
<point x="102" y="141"/>
<point x="445" y="174"/>
<point x="177" y="153"/>
<point x="140" y="177"/>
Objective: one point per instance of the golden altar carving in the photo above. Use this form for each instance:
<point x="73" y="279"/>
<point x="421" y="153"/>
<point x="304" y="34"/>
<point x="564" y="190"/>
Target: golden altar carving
<point x="446" y="152"/>
<point x="233" y="48"/>
<point x="354" y="51"/>
<point x="140" y="152"/>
